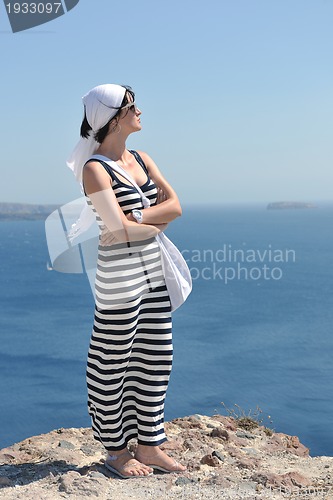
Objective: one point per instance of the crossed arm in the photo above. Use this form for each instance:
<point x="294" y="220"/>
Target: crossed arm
<point x="123" y="228"/>
<point x="168" y="206"/>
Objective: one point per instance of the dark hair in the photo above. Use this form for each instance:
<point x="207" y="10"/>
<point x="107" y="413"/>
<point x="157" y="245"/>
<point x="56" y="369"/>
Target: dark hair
<point x="102" y="132"/>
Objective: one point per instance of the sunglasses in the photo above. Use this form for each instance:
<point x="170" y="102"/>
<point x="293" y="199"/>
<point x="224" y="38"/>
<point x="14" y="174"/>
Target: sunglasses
<point x="131" y="106"/>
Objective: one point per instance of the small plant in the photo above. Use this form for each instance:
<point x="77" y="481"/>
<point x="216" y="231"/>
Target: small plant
<point x="268" y="431"/>
<point x="248" y="420"/>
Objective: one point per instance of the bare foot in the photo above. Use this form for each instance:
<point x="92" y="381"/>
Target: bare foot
<point x="124" y="465"/>
<point x="154" y="457"/>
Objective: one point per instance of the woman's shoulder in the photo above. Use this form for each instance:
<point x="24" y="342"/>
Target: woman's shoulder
<point x="147" y="160"/>
<point x="96" y="170"/>
<point x="144" y="156"/>
<point x="93" y="167"/>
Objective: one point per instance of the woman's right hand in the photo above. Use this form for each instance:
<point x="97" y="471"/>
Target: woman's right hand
<point x="106" y="237"/>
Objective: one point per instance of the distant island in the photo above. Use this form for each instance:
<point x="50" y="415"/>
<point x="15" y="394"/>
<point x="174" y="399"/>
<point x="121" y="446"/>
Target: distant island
<point x="282" y="205"/>
<point x="29" y="211"/>
<point x="25" y="211"/>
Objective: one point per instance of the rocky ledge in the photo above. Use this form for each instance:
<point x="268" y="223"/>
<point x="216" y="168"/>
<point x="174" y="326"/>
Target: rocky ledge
<point x="223" y="461"/>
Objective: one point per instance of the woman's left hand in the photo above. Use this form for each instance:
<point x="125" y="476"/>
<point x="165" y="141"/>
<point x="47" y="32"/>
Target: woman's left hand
<point x="161" y="196"/>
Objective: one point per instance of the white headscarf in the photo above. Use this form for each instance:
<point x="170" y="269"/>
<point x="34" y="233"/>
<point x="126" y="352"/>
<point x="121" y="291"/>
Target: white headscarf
<point x="101" y="105"/>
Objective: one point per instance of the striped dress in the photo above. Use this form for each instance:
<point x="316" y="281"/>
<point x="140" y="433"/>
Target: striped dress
<point x="130" y="352"/>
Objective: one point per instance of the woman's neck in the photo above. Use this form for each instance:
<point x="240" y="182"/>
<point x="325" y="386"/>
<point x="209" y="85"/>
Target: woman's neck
<point x="113" y="146"/>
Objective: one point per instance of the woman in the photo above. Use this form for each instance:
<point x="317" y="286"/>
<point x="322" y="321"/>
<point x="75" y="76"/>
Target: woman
<point x="130" y="353"/>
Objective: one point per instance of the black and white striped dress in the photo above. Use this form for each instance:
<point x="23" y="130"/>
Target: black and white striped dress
<point x="130" y="353"/>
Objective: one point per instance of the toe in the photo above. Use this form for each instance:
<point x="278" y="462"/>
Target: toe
<point x="179" y="466"/>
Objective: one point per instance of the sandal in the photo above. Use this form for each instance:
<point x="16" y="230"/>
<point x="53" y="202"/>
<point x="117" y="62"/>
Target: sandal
<point x="168" y="471"/>
<point x="125" y="466"/>
<point x="174" y="468"/>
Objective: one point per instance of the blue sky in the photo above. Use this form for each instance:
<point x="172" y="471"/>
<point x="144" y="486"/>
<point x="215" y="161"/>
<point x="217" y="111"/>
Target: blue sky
<point x="236" y="96"/>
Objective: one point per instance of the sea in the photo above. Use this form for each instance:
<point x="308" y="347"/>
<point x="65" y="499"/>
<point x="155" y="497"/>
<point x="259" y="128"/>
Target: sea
<point x="254" y="337"/>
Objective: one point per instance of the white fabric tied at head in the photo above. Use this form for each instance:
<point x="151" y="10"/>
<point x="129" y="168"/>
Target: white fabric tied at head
<point x="101" y="105"/>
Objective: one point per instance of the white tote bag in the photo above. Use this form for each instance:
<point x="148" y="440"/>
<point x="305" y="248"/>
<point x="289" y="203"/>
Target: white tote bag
<point x="176" y="272"/>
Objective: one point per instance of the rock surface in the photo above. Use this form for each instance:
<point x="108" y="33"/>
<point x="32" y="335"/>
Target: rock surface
<point x="223" y="462"/>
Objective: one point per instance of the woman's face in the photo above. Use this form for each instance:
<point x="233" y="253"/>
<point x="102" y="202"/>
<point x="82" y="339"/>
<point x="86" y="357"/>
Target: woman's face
<point x="130" y="116"/>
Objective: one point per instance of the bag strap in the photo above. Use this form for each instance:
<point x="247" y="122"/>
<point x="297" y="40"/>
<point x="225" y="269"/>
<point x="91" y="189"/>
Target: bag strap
<point x="122" y="171"/>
